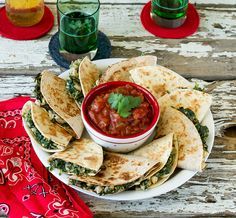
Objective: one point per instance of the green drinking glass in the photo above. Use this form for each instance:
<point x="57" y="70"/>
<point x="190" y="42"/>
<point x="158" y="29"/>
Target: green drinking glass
<point x="169" y="13"/>
<point x="78" y="28"/>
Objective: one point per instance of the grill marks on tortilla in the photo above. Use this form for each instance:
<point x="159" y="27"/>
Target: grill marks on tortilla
<point x="88" y="74"/>
<point x="197" y="101"/>
<point x="54" y="90"/>
<point x="119" y="169"/>
<point x="120" y="71"/>
<point x="190" y="144"/>
<point x="49" y="129"/>
<point x="84" y="152"/>
<point x="158" y="80"/>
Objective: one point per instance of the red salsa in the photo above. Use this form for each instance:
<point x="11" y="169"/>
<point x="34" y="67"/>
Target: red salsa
<point x="108" y="119"/>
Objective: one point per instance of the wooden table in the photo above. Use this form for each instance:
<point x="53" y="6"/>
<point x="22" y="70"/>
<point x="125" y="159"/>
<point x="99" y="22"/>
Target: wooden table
<point x="210" y="55"/>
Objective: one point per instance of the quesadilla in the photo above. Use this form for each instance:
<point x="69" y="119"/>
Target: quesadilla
<point x="53" y="90"/>
<point x="83" y="157"/>
<point x="49" y="135"/>
<point x="190" y="133"/>
<point x="164" y="150"/>
<point x="159" y="80"/>
<point x="40" y="100"/>
<point x="197" y="101"/>
<point x="120" y="70"/>
<point x="119" y="173"/>
<point x="88" y="74"/>
<point x="73" y="84"/>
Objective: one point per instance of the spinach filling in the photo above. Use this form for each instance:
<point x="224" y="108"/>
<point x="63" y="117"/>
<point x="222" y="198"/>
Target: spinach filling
<point x="202" y="130"/>
<point x="164" y="171"/>
<point x="37" y="93"/>
<point x="73" y="85"/>
<point x="46" y="143"/>
<point x="198" y="88"/>
<point x="102" y="190"/>
<point x="74" y="89"/>
<point x="42" y="102"/>
<point x="69" y="167"/>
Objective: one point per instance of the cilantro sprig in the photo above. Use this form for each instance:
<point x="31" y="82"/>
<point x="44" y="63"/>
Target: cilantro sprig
<point x="123" y="103"/>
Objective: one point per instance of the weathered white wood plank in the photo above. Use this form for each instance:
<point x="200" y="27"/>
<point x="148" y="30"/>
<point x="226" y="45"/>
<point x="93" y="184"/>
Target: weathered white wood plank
<point x="206" y="54"/>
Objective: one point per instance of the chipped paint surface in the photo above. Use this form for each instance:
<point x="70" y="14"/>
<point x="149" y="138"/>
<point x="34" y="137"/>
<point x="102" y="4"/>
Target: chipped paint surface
<point x="190" y="49"/>
<point x="210" y="50"/>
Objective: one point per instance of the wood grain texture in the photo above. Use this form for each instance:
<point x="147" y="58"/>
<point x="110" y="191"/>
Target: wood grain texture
<point x="208" y="54"/>
<point x="210" y="193"/>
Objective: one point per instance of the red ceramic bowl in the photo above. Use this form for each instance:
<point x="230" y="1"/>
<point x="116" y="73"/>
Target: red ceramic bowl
<point x="110" y="142"/>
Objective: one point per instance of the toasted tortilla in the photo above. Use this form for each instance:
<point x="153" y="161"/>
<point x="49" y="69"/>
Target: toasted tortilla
<point x="158" y="150"/>
<point x="199" y="102"/>
<point x="159" y="80"/>
<point x="49" y="129"/>
<point x="120" y="70"/>
<point x="46" y="127"/>
<point x="84" y="153"/>
<point x="190" y="144"/>
<point x="88" y="75"/>
<point x="166" y="171"/>
<point x="53" y="89"/>
<point x="119" y="172"/>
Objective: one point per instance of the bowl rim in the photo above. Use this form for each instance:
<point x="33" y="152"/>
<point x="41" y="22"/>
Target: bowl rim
<point x="109" y="85"/>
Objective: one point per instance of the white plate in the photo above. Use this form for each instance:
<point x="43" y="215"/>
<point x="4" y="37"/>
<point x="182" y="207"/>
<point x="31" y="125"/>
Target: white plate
<point x="179" y="177"/>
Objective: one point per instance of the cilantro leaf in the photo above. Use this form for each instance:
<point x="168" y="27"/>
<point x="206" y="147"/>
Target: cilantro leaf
<point x="114" y="100"/>
<point x="123" y="104"/>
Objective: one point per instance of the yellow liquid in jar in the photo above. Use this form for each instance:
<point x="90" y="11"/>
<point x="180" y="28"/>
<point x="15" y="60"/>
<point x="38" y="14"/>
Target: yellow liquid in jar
<point x="25" y="12"/>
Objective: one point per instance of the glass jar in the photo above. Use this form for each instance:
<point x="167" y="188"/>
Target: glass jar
<point x="24" y="12"/>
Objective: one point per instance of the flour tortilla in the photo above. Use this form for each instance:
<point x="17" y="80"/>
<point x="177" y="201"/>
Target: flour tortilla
<point x="47" y="128"/>
<point x="159" y="80"/>
<point x="118" y="170"/>
<point x="191" y="151"/>
<point x="162" y="175"/>
<point x="84" y="152"/>
<point x="158" y="150"/>
<point x="53" y="89"/>
<point x="50" y="131"/>
<point x="199" y="102"/>
<point x="120" y="71"/>
<point x="88" y="75"/>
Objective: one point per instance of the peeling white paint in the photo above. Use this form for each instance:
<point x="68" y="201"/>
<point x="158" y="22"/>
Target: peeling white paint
<point x="190" y="49"/>
<point x="193" y="49"/>
<point x="24" y="53"/>
<point x="224" y="54"/>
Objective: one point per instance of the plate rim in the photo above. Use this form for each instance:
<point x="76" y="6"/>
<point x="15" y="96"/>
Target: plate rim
<point x="168" y="186"/>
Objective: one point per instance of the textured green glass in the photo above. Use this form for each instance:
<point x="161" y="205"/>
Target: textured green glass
<point x="78" y="25"/>
<point x="170" y="9"/>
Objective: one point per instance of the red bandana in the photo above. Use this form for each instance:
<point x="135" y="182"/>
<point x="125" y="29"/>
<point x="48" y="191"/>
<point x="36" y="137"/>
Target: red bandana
<point x="27" y="189"/>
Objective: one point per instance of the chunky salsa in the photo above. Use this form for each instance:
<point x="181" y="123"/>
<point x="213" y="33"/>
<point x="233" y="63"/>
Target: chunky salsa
<point x="111" y="122"/>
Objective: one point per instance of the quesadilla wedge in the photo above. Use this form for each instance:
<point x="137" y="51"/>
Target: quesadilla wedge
<point x="83" y="157"/>
<point x="197" y="101"/>
<point x="119" y="173"/>
<point x="53" y="89"/>
<point x="120" y="71"/>
<point x="158" y="150"/>
<point x="49" y="135"/>
<point x="88" y="74"/>
<point x="192" y="148"/>
<point x="159" y="80"/>
<point x="40" y="100"/>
